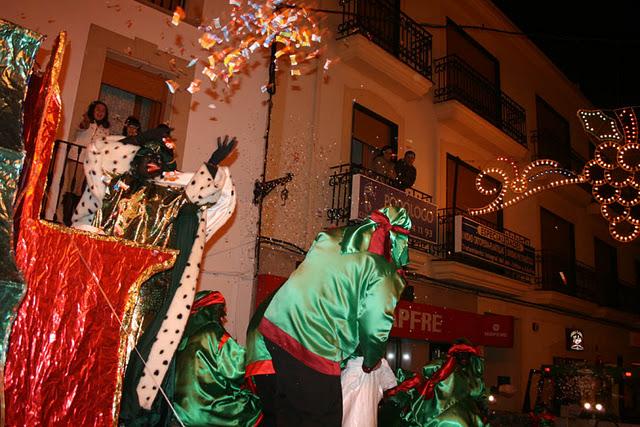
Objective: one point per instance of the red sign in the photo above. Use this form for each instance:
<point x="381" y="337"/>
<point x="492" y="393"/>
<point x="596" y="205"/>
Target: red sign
<point x="428" y="322"/>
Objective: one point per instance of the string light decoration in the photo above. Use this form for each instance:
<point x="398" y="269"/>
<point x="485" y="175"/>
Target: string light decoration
<point x="613" y="173"/>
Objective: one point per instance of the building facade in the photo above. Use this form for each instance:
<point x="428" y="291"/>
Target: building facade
<point x="409" y="75"/>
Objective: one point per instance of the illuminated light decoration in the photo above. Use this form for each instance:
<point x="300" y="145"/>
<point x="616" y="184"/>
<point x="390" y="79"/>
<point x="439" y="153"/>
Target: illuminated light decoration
<point x="605" y="193"/>
<point x="629" y="196"/>
<point x="545" y="173"/>
<point x="601" y="126"/>
<point x="629" y="157"/>
<point x="606" y="154"/>
<point x="587" y="406"/>
<point x="593" y="173"/>
<point x="618" y="177"/>
<point x="613" y="173"/>
<point x="615" y="213"/>
<point x="634" y="215"/>
<point x="599" y="407"/>
<point x="624" y="231"/>
<point x="628" y="374"/>
<point x="629" y="123"/>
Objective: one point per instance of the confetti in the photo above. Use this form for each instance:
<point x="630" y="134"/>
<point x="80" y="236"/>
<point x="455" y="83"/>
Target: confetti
<point x="194" y="87"/>
<point x="216" y="23"/>
<point x="211" y="106"/>
<point x="326" y="64"/>
<point x="295" y="72"/>
<point x="292" y="58"/>
<point x="193" y="62"/>
<point x="207" y="41"/>
<point x="172" y="85"/>
<point x="212" y="61"/>
<point x="210" y="72"/>
<point x="234" y="3"/>
<point x="178" y="16"/>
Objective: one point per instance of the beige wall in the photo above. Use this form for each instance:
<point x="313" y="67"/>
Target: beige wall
<point x="240" y="111"/>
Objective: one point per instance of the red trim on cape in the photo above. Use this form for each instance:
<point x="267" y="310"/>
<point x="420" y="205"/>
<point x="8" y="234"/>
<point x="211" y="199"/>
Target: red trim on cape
<point x="297" y="350"/>
<point x="223" y="340"/>
<point x="259" y="367"/>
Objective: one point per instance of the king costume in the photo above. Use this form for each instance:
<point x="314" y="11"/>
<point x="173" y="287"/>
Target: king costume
<point x="134" y="192"/>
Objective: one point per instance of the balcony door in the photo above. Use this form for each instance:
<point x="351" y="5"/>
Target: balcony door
<point x="462" y="194"/>
<point x="369" y="133"/>
<point x="558" y="253"/>
<point x="553" y="136"/>
<point x="606" y="260"/>
<point x="474" y="72"/>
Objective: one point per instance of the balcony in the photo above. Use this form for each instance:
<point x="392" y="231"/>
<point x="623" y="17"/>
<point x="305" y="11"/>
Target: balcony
<point x="65" y="182"/>
<point x="356" y="191"/>
<point x="400" y="55"/>
<point x="455" y="80"/>
<point x="476" y="251"/>
<point x="560" y="274"/>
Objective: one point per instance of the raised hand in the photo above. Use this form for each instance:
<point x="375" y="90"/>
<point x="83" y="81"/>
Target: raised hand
<point x="225" y="147"/>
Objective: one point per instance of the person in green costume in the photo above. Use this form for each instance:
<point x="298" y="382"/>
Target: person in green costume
<point x="449" y="393"/>
<point x="210" y="371"/>
<point x="337" y="304"/>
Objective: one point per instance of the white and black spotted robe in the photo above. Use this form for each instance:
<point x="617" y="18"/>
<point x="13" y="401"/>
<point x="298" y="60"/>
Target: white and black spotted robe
<point x="108" y="158"/>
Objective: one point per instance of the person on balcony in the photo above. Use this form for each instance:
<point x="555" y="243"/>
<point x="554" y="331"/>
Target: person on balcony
<point x="383" y="164"/>
<point x="94" y="125"/>
<point x="338" y="304"/>
<point x="131" y="126"/>
<point x="134" y="192"/>
<point x="405" y="171"/>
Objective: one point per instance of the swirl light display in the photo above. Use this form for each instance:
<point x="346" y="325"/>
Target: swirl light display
<point x="613" y="173"/>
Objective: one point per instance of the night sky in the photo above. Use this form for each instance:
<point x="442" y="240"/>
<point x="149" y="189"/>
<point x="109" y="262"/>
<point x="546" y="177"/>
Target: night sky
<point x="596" y="44"/>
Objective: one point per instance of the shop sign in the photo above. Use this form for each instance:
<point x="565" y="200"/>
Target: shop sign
<point x="368" y="195"/>
<point x="507" y="250"/>
<point x="574" y="339"/>
<point x="428" y="322"/>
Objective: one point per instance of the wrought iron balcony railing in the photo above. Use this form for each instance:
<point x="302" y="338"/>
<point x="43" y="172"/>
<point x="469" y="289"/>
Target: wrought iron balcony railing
<point x="65" y="182"/>
<point x="391" y="29"/>
<point x="457" y="80"/>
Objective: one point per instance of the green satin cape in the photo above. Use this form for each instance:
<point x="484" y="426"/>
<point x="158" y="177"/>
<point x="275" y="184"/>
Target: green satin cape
<point x="341" y="299"/>
<point x="459" y="400"/>
<point x="210" y="376"/>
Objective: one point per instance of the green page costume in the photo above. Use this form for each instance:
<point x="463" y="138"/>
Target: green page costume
<point x="341" y="299"/>
<point x="210" y="371"/>
<point x="447" y="395"/>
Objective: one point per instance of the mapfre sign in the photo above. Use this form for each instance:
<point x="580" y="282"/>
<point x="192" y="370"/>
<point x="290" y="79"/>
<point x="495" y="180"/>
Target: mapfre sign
<point x="439" y="324"/>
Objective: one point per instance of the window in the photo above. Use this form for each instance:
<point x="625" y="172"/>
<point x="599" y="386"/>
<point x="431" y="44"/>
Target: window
<point x="606" y="260"/>
<point x="462" y="194"/>
<point x="558" y="253"/>
<point x="370" y="132"/>
<point x="553" y="136"/>
<point x="128" y="90"/>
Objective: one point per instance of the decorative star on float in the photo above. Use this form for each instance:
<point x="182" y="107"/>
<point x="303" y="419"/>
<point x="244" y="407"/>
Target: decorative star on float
<point x="74" y="327"/>
<point x="613" y="173"/>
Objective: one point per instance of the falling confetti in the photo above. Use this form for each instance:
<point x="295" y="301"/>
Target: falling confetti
<point x="172" y="85"/>
<point x="212" y="106"/>
<point x="193" y="62"/>
<point x="194" y="87"/>
<point x="178" y="16"/>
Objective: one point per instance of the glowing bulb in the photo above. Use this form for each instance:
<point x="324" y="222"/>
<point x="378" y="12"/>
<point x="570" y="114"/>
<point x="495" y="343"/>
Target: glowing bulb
<point x="599" y="407"/>
<point x="491" y="398"/>
<point x="391" y="356"/>
<point x="406" y="356"/>
<point x="587" y="406"/>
